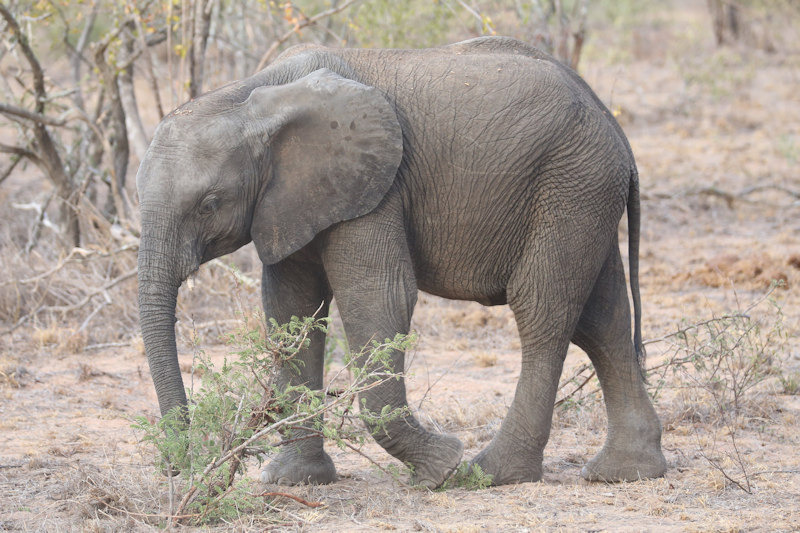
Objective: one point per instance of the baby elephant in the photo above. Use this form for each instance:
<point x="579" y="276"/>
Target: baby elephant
<point x="485" y="170"/>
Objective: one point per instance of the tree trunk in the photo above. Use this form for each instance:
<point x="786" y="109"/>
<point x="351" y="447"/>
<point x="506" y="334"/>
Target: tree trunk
<point x="201" y="19"/>
<point x="725" y="20"/>
<point x="118" y="140"/>
<point x="127" y="94"/>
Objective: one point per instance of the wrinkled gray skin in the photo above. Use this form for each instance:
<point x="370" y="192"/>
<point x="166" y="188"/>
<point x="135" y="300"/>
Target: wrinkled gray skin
<point x="482" y="171"/>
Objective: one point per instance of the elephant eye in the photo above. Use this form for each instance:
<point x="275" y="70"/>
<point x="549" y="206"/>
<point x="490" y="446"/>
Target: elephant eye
<point x="209" y="204"/>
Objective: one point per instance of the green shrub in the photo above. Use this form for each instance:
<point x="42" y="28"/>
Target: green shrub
<point x="239" y="411"/>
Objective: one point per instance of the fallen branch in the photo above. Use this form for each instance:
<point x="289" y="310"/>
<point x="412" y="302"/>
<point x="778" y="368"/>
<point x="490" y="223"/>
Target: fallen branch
<point x="292" y="497"/>
<point x="728" y="196"/>
<point x="105" y="345"/>
<point x="756" y="188"/>
<point x="764" y="472"/>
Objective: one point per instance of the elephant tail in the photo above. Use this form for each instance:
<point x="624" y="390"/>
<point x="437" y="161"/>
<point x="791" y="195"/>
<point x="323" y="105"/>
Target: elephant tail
<point x="634" y="216"/>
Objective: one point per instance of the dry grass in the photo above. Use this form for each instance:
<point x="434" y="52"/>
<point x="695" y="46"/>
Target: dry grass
<point x="485" y="359"/>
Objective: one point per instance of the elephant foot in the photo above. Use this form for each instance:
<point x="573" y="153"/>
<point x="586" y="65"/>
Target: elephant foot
<point x="442" y="456"/>
<point x="431" y="457"/>
<point x="507" y="467"/>
<point x="615" y="464"/>
<point x="291" y="467"/>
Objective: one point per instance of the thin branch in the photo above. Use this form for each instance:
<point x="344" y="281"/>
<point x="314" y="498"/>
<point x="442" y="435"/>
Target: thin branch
<point x="93" y="313"/>
<point x="20" y="151"/>
<point x="744" y="314"/>
<point x="36" y="68"/>
<point x="437" y="380"/>
<point x="297" y="27"/>
<point x="37" y="226"/>
<point x="76" y="52"/>
<point x="7" y="172"/>
<point x="38" y="118"/>
<point x="690" y="327"/>
<point x="578" y="372"/>
<point x="471" y="11"/>
<point x="241" y="278"/>
<point x="579" y="387"/>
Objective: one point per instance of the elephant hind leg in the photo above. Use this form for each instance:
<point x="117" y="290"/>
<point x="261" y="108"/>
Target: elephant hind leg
<point x="633" y="447"/>
<point x="546" y="292"/>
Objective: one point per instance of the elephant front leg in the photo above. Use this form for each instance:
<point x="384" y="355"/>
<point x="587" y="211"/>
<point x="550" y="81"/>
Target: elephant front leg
<point x="293" y="288"/>
<point x="375" y="292"/>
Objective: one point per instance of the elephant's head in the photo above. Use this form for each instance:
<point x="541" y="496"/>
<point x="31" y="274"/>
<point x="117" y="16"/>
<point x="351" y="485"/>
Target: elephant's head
<point x="274" y="164"/>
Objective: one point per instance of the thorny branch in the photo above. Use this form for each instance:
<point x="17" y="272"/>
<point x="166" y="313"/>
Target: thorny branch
<point x="674" y="361"/>
<point x="688" y="328"/>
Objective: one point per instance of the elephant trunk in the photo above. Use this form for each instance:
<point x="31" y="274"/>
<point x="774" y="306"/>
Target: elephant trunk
<point x="159" y="281"/>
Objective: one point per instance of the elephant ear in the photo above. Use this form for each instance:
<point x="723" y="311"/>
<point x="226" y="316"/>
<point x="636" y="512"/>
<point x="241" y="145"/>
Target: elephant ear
<point x="334" y="148"/>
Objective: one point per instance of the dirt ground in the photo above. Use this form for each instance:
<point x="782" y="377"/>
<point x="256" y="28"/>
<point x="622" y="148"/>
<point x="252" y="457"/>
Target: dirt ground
<point x="716" y="133"/>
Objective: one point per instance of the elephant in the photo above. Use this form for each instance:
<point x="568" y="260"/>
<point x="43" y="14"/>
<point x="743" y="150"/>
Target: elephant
<point x="483" y="170"/>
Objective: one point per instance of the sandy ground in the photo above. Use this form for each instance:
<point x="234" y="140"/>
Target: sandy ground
<point x="717" y="139"/>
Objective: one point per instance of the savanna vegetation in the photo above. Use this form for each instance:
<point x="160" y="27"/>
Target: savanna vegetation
<point x="707" y="95"/>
